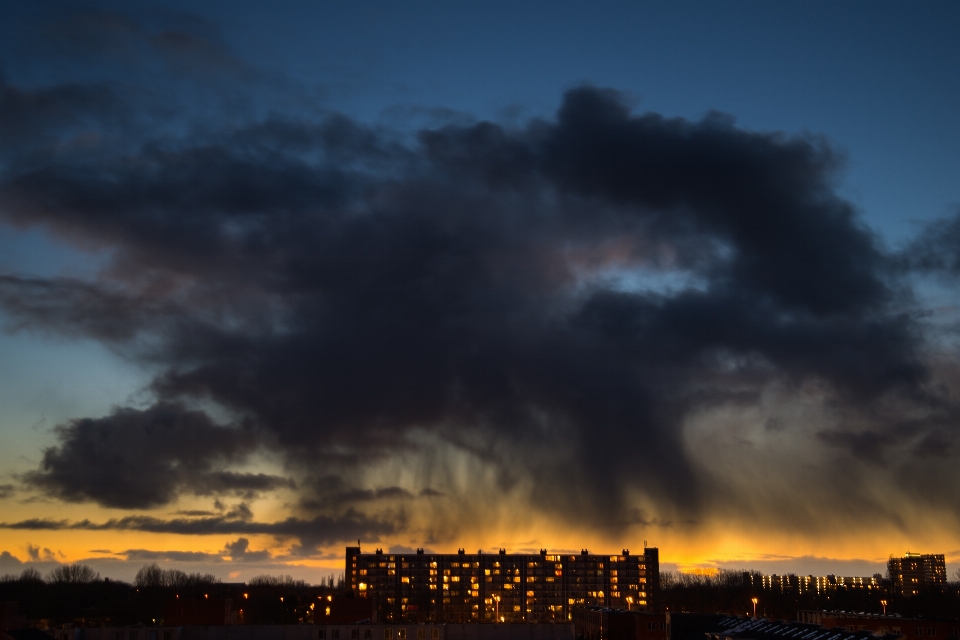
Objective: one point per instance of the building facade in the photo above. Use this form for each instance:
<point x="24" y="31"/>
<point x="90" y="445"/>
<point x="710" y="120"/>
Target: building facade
<point x="501" y="587"/>
<point x="737" y="628"/>
<point x="880" y="625"/>
<point x="914" y="571"/>
<point x="601" y="623"/>
<point x="792" y="583"/>
<point x="202" y="611"/>
<point x="313" y="632"/>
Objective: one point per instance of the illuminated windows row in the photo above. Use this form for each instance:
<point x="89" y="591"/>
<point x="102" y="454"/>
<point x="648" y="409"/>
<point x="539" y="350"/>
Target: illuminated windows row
<point x="388" y="634"/>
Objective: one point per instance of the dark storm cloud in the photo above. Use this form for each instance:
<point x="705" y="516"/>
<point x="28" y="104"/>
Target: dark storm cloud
<point x="332" y="491"/>
<point x="934" y="435"/>
<point x="937" y="249"/>
<point x="135" y="459"/>
<point x="33" y="120"/>
<point x="344" y="288"/>
<point x="72" y="307"/>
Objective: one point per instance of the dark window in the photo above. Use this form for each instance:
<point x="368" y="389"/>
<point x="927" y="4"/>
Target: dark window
<point x="335" y="634"/>
<point x="321" y="634"/>
<point x="354" y="634"/>
<point x="367" y="634"/>
<point x="166" y="635"/>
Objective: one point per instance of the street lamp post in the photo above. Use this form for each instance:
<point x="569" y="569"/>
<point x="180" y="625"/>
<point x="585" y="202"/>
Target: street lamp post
<point x="629" y="602"/>
<point x="496" y="600"/>
<point x="754" y="601"/>
<point x="883" y="603"/>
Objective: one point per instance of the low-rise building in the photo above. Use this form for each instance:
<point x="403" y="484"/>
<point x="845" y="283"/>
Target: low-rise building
<point x="880" y="625"/>
<point x="602" y="623"/>
<point x="743" y="628"/>
<point x="793" y="583"/>
<point x="317" y="632"/>
<point x="198" y="611"/>
<point x="345" y="611"/>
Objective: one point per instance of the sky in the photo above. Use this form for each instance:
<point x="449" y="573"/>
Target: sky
<point x="486" y="275"/>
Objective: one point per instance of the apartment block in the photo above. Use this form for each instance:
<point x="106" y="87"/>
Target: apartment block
<point x="913" y="571"/>
<point x="501" y="587"/>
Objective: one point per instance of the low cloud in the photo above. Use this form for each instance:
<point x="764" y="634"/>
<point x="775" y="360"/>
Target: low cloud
<point x="312" y="533"/>
<point x="143" y="458"/>
<point x="239" y="551"/>
<point x="146" y="555"/>
<point x="37" y="554"/>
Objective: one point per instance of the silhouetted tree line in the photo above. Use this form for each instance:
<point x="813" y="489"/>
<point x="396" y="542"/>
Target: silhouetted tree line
<point x="731" y="592"/>
<point x="75" y="595"/>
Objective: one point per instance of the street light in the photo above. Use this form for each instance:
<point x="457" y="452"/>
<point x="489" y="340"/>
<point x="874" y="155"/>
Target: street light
<point x="629" y="602"/>
<point x="496" y="600"/>
<point x="883" y="603"/>
<point x="754" y="601"/>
